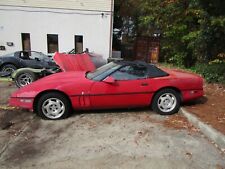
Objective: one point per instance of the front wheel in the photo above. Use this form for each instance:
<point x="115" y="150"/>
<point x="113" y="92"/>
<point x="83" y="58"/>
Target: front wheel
<point x="53" y="106"/>
<point x="166" y="102"/>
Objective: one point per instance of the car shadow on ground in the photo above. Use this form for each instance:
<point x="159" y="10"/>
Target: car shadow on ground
<point x="199" y="101"/>
<point x="112" y="111"/>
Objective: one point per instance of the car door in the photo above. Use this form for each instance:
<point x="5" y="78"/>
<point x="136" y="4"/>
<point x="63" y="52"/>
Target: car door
<point x="130" y="89"/>
<point x="27" y="61"/>
<point x="41" y="60"/>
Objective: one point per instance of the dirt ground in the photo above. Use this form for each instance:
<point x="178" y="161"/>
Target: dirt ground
<point x="130" y="139"/>
<point x="211" y="108"/>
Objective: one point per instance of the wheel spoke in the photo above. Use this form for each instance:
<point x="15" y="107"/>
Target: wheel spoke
<point x="62" y="108"/>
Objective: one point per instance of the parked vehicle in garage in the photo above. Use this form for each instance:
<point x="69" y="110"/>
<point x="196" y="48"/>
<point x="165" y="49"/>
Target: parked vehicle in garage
<point x="114" y="85"/>
<point x="20" y="59"/>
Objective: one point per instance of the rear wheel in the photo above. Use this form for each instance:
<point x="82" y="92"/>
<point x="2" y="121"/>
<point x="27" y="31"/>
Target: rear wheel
<point x="53" y="106"/>
<point x="24" y="78"/>
<point x="166" y="102"/>
<point x="10" y="68"/>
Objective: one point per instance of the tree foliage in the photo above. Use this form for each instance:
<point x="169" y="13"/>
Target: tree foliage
<point x="191" y="30"/>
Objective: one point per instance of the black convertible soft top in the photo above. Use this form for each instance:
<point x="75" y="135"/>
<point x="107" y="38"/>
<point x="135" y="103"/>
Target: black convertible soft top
<point x="153" y="70"/>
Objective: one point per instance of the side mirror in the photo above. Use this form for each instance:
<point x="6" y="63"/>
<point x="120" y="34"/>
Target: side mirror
<point x="109" y="80"/>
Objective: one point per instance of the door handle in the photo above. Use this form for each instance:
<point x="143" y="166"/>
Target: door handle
<point x="144" y="84"/>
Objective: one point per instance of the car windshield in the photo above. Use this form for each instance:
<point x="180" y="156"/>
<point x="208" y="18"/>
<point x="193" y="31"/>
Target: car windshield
<point x="102" y="71"/>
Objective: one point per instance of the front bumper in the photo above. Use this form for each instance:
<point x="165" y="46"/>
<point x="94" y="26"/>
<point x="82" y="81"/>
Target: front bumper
<point x="26" y="103"/>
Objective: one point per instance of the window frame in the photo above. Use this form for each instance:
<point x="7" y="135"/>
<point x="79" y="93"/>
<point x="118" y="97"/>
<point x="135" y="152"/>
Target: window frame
<point x="48" y="43"/>
<point x="77" y="41"/>
<point x="140" y="78"/>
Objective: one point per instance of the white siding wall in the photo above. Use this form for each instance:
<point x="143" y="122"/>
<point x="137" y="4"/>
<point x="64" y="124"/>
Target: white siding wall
<point x="99" y="5"/>
<point x="94" y="27"/>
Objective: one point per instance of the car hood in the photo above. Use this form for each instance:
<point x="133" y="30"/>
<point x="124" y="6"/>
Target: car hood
<point x="62" y="77"/>
<point x="74" y="62"/>
<point x="56" y="81"/>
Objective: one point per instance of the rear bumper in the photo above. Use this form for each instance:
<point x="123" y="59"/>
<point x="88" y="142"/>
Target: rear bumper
<point x="26" y="103"/>
<point x="192" y="94"/>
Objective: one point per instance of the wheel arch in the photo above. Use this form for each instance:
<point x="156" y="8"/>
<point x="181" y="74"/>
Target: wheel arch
<point x="25" y="70"/>
<point x="8" y="63"/>
<point x="37" y="97"/>
<point x="168" y="87"/>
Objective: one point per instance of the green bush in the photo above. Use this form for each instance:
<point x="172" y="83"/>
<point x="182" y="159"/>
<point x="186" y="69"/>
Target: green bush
<point x="213" y="73"/>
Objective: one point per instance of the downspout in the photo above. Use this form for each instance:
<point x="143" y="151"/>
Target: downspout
<point x="111" y="29"/>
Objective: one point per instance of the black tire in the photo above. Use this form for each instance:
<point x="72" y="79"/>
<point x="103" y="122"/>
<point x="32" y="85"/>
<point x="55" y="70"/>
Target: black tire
<point x="8" y="68"/>
<point x="162" y="101"/>
<point x="24" y="78"/>
<point x="59" y="103"/>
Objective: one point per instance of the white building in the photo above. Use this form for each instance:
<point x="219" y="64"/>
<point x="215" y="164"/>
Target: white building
<point x="56" y="25"/>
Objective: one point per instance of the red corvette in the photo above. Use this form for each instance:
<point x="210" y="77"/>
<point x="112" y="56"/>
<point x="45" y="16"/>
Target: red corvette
<point x="115" y="85"/>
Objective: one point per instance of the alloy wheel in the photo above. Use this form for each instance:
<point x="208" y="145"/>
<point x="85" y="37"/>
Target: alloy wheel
<point x="167" y="102"/>
<point x="53" y="108"/>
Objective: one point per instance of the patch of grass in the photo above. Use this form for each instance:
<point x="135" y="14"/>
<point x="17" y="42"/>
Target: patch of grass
<point x="212" y="72"/>
<point x="5" y="79"/>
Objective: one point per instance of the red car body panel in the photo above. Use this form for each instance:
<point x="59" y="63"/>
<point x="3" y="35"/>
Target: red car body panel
<point x="89" y="94"/>
<point x="74" y="62"/>
<point x="120" y="94"/>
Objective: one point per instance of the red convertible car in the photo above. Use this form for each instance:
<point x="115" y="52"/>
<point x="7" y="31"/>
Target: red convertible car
<point x="121" y="84"/>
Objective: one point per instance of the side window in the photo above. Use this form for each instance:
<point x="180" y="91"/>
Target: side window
<point x="36" y="55"/>
<point x="24" y="55"/>
<point x="130" y="73"/>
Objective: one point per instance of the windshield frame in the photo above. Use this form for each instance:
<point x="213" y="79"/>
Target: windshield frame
<point x="102" y="72"/>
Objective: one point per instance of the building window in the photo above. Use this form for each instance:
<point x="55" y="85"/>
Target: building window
<point x="26" y="41"/>
<point x="78" y="44"/>
<point x="52" y="40"/>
